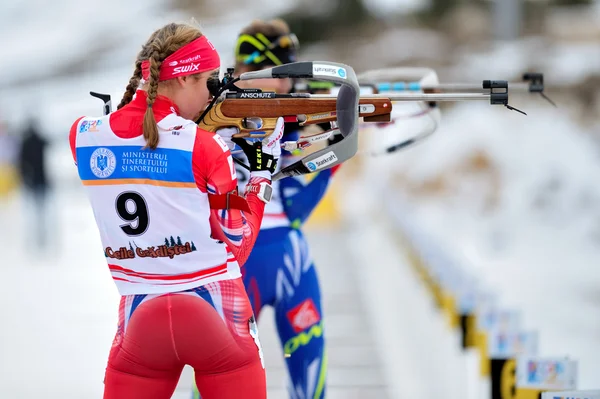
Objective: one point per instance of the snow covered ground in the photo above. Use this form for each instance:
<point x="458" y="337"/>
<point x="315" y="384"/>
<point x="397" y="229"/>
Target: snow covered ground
<point x="523" y="217"/>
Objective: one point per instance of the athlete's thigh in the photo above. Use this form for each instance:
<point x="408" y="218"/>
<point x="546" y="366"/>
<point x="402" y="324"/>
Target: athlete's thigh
<point x="232" y="365"/>
<point x="298" y="293"/>
<point x="260" y="272"/>
<point x="119" y="384"/>
<point x="299" y="319"/>
<point x="142" y="362"/>
<point x="248" y="382"/>
<point x="299" y="315"/>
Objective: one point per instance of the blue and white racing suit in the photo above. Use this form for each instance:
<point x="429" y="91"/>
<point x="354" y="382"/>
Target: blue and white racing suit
<point x="280" y="273"/>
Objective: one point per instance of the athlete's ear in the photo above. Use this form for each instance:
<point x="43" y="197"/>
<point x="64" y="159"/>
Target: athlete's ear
<point x="181" y="80"/>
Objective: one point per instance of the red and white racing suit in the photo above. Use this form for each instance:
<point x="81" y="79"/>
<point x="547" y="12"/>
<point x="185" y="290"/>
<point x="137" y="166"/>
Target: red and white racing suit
<point x="174" y="258"/>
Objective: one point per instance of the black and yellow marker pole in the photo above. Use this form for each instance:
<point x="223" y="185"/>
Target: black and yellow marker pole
<point x="421" y="270"/>
<point x="529" y="393"/>
<point x="436" y="290"/>
<point x="443" y="297"/>
<point x="505" y="348"/>
<point x="450" y="308"/>
<point x="491" y="319"/>
<point x="468" y="330"/>
<point x="481" y="341"/>
<point x="504" y="381"/>
<point x="504" y="378"/>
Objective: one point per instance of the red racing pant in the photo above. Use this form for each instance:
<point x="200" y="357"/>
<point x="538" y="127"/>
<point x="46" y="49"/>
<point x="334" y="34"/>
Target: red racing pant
<point x="211" y="328"/>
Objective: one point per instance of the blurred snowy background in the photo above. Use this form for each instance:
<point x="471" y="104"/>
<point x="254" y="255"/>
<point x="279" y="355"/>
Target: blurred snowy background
<point x="516" y="199"/>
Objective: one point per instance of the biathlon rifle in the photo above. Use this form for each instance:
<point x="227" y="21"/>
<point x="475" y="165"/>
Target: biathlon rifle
<point x="255" y="112"/>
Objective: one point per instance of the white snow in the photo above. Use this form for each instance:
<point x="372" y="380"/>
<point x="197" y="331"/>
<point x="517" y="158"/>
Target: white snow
<point x="541" y="259"/>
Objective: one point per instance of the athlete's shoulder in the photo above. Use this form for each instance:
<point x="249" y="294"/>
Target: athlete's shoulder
<point x="85" y="124"/>
<point x="211" y="141"/>
<point x="174" y="122"/>
<point x="203" y="134"/>
<point x="75" y="125"/>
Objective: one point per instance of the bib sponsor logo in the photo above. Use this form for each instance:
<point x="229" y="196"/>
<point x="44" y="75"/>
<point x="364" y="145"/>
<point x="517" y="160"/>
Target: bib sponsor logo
<point x="170" y="249"/>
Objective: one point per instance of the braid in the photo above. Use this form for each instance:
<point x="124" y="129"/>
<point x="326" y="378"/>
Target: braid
<point x="161" y="44"/>
<point x="155" y="63"/>
<point x="167" y="47"/>
<point x="150" y="127"/>
<point x="132" y="86"/>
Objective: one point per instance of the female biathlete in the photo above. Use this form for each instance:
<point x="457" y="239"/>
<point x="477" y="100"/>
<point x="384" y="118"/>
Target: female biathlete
<point x="173" y="229"/>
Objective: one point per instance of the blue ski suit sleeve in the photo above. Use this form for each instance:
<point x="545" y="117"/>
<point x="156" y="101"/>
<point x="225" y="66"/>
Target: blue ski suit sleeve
<point x="301" y="194"/>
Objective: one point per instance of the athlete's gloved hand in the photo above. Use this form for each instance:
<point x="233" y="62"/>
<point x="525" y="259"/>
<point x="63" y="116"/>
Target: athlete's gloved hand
<point x="226" y="134"/>
<point x="272" y="144"/>
<point x="263" y="154"/>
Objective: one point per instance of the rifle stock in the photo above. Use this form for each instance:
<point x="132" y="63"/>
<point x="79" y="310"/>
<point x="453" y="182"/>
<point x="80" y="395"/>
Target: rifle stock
<point x="239" y="112"/>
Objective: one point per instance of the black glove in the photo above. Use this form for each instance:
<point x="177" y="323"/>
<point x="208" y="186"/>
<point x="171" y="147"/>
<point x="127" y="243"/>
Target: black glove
<point x="258" y="160"/>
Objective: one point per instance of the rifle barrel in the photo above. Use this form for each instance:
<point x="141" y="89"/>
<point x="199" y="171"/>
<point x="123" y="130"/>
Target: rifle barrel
<point x="424" y="96"/>
<point x="472" y="87"/>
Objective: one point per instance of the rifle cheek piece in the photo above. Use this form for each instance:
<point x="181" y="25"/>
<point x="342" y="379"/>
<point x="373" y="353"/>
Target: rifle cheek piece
<point x="262" y="74"/>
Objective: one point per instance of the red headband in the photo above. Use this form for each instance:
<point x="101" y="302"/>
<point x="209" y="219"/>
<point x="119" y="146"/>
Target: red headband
<point x="195" y="57"/>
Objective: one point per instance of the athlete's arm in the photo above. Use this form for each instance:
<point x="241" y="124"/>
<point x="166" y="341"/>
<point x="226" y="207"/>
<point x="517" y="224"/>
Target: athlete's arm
<point x="214" y="173"/>
<point x="73" y="137"/>
<point x="301" y="194"/>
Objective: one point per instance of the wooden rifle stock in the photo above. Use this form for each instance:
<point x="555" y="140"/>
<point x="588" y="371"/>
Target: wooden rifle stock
<point x="257" y="117"/>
